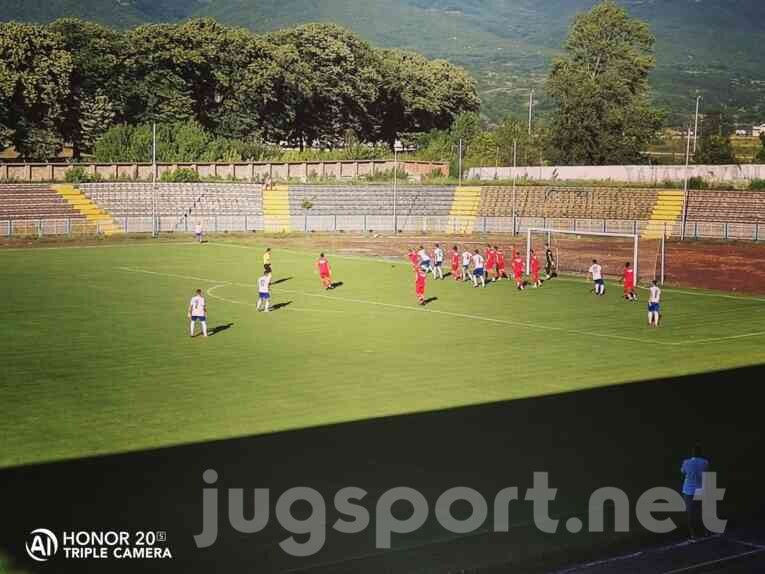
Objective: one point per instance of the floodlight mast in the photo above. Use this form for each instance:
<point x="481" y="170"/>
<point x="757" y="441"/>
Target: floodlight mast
<point x="154" y="222"/>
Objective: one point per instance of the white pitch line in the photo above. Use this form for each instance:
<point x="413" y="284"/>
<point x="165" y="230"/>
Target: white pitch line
<point x="211" y="293"/>
<point x="459" y="315"/>
<point x="713" y="562"/>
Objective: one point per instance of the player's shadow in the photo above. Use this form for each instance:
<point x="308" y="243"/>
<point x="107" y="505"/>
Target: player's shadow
<point x="278" y="306"/>
<point x="447" y="274"/>
<point x="220" y="328"/>
<point x="337" y="284"/>
<point x="282" y="280"/>
<point x="429" y="300"/>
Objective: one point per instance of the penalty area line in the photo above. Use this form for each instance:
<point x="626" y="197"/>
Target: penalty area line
<point x="537" y="326"/>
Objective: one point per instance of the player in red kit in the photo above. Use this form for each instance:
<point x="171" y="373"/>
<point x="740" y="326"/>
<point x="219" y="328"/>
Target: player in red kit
<point x="518" y="270"/>
<point x="535" y="270"/>
<point x="456" y="263"/>
<point x="501" y="269"/>
<point x="628" y="278"/>
<point x="413" y="258"/>
<point x="325" y="273"/>
<point x="491" y="263"/>
<point x="419" y="284"/>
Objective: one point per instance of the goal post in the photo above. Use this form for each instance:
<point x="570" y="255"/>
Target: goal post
<point x="574" y="251"/>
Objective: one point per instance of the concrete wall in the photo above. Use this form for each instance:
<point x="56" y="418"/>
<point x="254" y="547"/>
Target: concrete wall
<point x="37" y="172"/>
<point x="647" y="174"/>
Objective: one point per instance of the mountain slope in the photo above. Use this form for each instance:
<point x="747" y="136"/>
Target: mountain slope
<point x="709" y="46"/>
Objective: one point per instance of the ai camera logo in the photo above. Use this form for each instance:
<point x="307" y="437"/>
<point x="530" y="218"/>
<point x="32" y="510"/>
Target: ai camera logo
<point x="42" y="545"/>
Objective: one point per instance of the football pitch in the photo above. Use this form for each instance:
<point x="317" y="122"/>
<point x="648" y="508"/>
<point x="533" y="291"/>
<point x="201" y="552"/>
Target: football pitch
<point x="97" y="358"/>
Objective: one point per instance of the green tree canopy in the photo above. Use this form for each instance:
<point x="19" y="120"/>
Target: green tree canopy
<point x="34" y="82"/>
<point x="96" y="84"/>
<point x="715" y="150"/>
<point x="603" y="112"/>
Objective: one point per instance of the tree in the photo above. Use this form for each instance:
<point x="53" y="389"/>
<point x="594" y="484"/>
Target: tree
<point x="761" y="155"/>
<point x="603" y="112"/>
<point x="529" y="149"/>
<point x="96" y="84"/>
<point x="34" y="84"/>
<point x="334" y="81"/>
<point x="226" y="79"/>
<point x="419" y="95"/>
<point x="715" y="149"/>
<point x="96" y="114"/>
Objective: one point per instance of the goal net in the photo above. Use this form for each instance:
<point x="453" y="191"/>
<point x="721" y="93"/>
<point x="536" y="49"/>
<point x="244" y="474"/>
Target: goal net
<point x="573" y="252"/>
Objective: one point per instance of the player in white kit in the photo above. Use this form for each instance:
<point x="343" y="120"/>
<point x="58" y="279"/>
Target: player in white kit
<point x="597" y="277"/>
<point x="438" y="268"/>
<point x="479" y="273"/>
<point x="264" y="292"/>
<point x="467" y="257"/>
<point x="654" y="305"/>
<point x="197" y="312"/>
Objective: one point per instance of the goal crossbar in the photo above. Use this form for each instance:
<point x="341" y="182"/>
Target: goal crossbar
<point x="633" y="236"/>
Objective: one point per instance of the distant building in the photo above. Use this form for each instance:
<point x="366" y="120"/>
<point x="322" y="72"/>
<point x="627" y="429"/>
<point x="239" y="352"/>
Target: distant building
<point x="758" y="130"/>
<point x="742" y="132"/>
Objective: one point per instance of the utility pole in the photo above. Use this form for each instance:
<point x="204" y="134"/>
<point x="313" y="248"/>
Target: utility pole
<point x="515" y="164"/>
<point x="685" y="182"/>
<point x="696" y="125"/>
<point x="395" y="186"/>
<point x="531" y="104"/>
<point x="460" y="162"/>
<point x="154" y="222"/>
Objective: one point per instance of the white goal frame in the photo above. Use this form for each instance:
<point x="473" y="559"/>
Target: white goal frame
<point x="635" y="238"/>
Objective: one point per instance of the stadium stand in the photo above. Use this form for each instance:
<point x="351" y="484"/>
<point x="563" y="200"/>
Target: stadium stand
<point x="183" y="201"/>
<point x="34" y="201"/>
<point x="370" y="200"/>
<point x="276" y="208"/>
<point x="562" y="202"/>
<point x="726" y="206"/>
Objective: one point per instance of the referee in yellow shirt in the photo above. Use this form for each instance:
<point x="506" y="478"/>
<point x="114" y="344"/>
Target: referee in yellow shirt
<point x="267" y="260"/>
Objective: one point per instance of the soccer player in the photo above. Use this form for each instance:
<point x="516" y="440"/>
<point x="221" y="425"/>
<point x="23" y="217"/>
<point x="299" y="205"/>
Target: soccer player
<point x="438" y="256"/>
<point x="518" y="270"/>
<point x="197" y="311"/>
<point x="264" y="292"/>
<point x="267" y="261"/>
<point x="478" y="269"/>
<point x="501" y="270"/>
<point x="413" y="259"/>
<point x="491" y="263"/>
<point x="549" y="263"/>
<point x="325" y="273"/>
<point x="425" y="262"/>
<point x="628" y="278"/>
<point x="198" y="232"/>
<point x="654" y="305"/>
<point x="467" y="257"/>
<point x="456" y="263"/>
<point x="419" y="284"/>
<point x="535" y="270"/>
<point x="596" y="271"/>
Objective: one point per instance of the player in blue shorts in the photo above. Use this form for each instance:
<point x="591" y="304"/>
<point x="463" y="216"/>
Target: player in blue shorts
<point x="654" y="305"/>
<point x="264" y="292"/>
<point x="479" y="274"/>
<point x="425" y="263"/>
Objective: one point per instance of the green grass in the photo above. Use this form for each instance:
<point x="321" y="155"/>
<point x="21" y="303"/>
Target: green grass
<point x="97" y="359"/>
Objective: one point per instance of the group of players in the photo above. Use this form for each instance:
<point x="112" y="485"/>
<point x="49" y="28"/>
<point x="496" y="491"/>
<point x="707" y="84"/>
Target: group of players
<point x="474" y="267"/>
<point x="479" y="268"/>
<point x="467" y="266"/>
